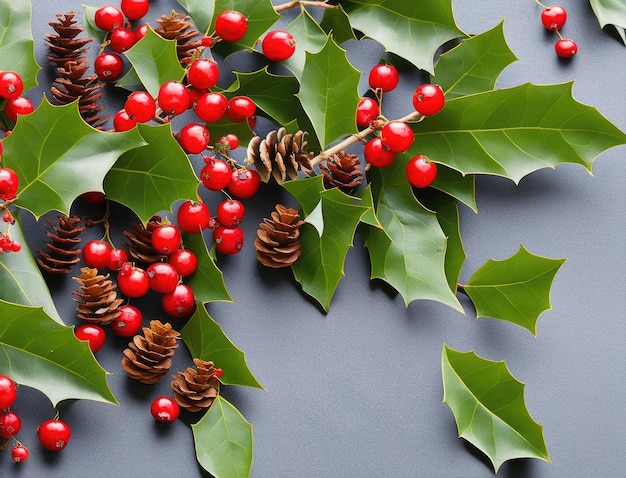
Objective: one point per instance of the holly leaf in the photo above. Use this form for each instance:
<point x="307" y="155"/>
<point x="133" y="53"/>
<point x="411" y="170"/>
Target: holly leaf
<point x="398" y="23"/>
<point x="512" y="132"/>
<point x="475" y="64"/>
<point x="39" y="352"/>
<point x="487" y="402"/>
<point x="223" y="440"/>
<point x="89" y="24"/>
<point x="152" y="178"/>
<point x="336" y="22"/>
<point x="611" y="12"/>
<point x="58" y="156"/>
<point x="205" y="340"/>
<point x="21" y="281"/>
<point x="516" y="289"/>
<point x="456" y="185"/>
<point x="200" y="11"/>
<point x="309" y="37"/>
<point x="409" y="252"/>
<point x="17" y="51"/>
<point x="330" y="100"/>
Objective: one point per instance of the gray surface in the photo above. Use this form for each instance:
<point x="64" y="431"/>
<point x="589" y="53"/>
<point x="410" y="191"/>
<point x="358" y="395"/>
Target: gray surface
<point x="358" y="392"/>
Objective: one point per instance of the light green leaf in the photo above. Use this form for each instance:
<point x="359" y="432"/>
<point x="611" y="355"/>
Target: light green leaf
<point x="309" y="38"/>
<point x="38" y="352"/>
<point x="611" y="12"/>
<point x="223" y="440"/>
<point x="201" y="12"/>
<point x="516" y="289"/>
<point x="205" y="340"/>
<point x="58" y="156"/>
<point x="150" y="179"/>
<point x="89" y="13"/>
<point x="489" y="408"/>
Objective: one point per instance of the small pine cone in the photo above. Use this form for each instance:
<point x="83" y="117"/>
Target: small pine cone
<point x="64" y="46"/>
<point x="280" y="155"/>
<point x="148" y="357"/>
<point x="195" y="389"/>
<point x="97" y="297"/>
<point x="342" y="171"/>
<point x="177" y="27"/>
<point x="139" y="243"/>
<point x="62" y="252"/>
<point x="278" y="239"/>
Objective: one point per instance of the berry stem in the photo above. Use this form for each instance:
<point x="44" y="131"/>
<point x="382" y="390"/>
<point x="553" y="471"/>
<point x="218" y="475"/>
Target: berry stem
<point x="304" y="3"/>
<point x="540" y="4"/>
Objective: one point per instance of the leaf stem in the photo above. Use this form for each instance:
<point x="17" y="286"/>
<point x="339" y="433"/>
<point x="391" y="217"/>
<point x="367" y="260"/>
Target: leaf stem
<point x="311" y="3"/>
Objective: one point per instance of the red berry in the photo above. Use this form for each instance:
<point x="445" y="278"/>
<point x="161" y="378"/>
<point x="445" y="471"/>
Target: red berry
<point x="193" y="217"/>
<point x="19" y="453"/>
<point x="140" y="106"/>
<point x="163" y="277"/>
<point x="117" y="258"/>
<point x="11" y="85"/>
<point x="230" y="212"/>
<point x="123" y="122"/>
<point x="228" y="240"/>
<point x="194" y="138"/>
<point x="128" y="323"/>
<point x="179" y="303"/>
<point x="10" y="424"/>
<point x="140" y="31"/>
<point x="93" y="333"/>
<point x="108" y="66"/>
<point x="18" y="106"/>
<point x="9" y="183"/>
<point x="203" y="73"/>
<point x="397" y="136"/>
<point x="244" y="183"/>
<point x="94" y="198"/>
<point x="164" y="409"/>
<point x="421" y="171"/>
<point x="231" y="26"/>
<point x="133" y="281"/>
<point x="8" y="392"/>
<point x="278" y="45"/>
<point x="207" y="42"/>
<point x="385" y="77"/>
<point x="366" y="112"/>
<point x="377" y="154"/>
<point x="211" y="107"/>
<point x="166" y="238"/>
<point x="185" y="262"/>
<point x="566" y="48"/>
<point x="173" y="98"/>
<point x="217" y="373"/>
<point x="54" y="435"/>
<point x="122" y="39"/>
<point x="96" y="253"/>
<point x="428" y="99"/>
<point x="108" y="18"/>
<point x="553" y="18"/>
<point x="240" y="108"/>
<point x="231" y="140"/>
<point x="216" y="174"/>
<point x="135" y="9"/>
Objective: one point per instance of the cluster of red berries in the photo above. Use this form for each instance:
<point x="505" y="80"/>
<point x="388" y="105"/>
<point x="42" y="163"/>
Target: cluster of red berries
<point x="397" y="136"/>
<point x="53" y="434"/>
<point x="553" y="18"/>
<point x="11" y="89"/>
<point x="9" y="184"/>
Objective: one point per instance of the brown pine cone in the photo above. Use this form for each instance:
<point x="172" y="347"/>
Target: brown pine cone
<point x="63" y="251"/>
<point x="280" y="155"/>
<point x="278" y="239"/>
<point x="177" y="27"/>
<point x="195" y="389"/>
<point x="148" y="357"/>
<point x="342" y="171"/>
<point x="139" y="243"/>
<point x="97" y="297"/>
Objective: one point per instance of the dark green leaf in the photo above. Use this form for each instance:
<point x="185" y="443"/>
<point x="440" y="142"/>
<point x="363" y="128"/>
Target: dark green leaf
<point x="201" y="12"/>
<point x="337" y="22"/>
<point x="456" y="185"/>
<point x="489" y="409"/>
<point x="611" y="12"/>
<point x="309" y="38"/>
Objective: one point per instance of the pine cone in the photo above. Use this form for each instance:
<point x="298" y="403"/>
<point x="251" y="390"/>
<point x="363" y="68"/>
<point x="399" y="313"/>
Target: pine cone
<point x="278" y="239"/>
<point x="342" y="171"/>
<point x="280" y="155"/>
<point x="140" y="242"/>
<point x="97" y="297"/>
<point x="196" y="389"/>
<point x="148" y="358"/>
<point x="63" y="252"/>
<point x="177" y="27"/>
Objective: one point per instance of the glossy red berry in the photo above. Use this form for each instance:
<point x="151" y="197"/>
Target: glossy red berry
<point x="140" y="106"/>
<point x="278" y="45"/>
<point x="231" y="26"/>
<point x="108" y="18"/>
<point x="19" y="453"/>
<point x="94" y="334"/>
<point x="228" y="240"/>
<point x="211" y="107"/>
<point x="18" y="106"/>
<point x="94" y="198"/>
<point x="244" y="183"/>
<point x="166" y="238"/>
<point x="366" y="112"/>
<point x="9" y="183"/>
<point x="231" y="140"/>
<point x="385" y="77"/>
<point x="397" y="136"/>
<point x="216" y="174"/>
<point x="376" y="154"/>
<point x="240" y="108"/>
<point x="163" y="277"/>
<point x="108" y="66"/>
<point x="173" y="98"/>
<point x="192" y="217"/>
<point x="132" y="281"/>
<point x="421" y="171"/>
<point x="203" y="73"/>
<point x="428" y="99"/>
<point x="11" y="85"/>
<point x="123" y="122"/>
<point x="566" y="48"/>
<point x="184" y="261"/>
<point x="54" y="435"/>
<point x="194" y="138"/>
<point x="554" y="17"/>
<point x="96" y="253"/>
<point x="122" y="39"/>
<point x="128" y="323"/>
<point x="10" y="424"/>
<point x="141" y="31"/>
<point x="230" y="212"/>
<point x="8" y="392"/>
<point x="117" y="258"/>
<point x="164" y="409"/>
<point x="179" y="303"/>
<point x="135" y="9"/>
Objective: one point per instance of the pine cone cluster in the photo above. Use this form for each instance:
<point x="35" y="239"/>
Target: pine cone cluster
<point x="139" y="242"/>
<point x="195" y="389"/>
<point x="278" y="239"/>
<point x="148" y="357"/>
<point x="69" y="54"/>
<point x="280" y="155"/>
<point x="342" y="170"/>
<point x="97" y="298"/>
<point x="177" y="27"/>
<point x="63" y="251"/>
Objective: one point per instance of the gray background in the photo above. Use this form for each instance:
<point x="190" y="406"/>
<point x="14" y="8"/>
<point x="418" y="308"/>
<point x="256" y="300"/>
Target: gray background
<point x="357" y="392"/>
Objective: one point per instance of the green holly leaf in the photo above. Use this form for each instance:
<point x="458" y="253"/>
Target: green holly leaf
<point x="21" y="281"/>
<point x="488" y="405"/>
<point x="396" y="24"/>
<point x="201" y="12"/>
<point x="58" y="156"/>
<point x="611" y="12"/>
<point x="17" y="51"/>
<point x="514" y="131"/>
<point x="152" y="178"/>
<point x="516" y="289"/>
<point x="456" y="185"/>
<point x="91" y="30"/>
<point x="336" y="22"/>
<point x="309" y="38"/>
<point x="38" y="352"/>
<point x="205" y="340"/>
<point x="208" y="281"/>
<point x="409" y="253"/>
<point x="475" y="64"/>
<point x="330" y="101"/>
<point x="223" y="440"/>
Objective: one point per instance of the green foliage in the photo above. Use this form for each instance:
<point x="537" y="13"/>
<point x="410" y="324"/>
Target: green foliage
<point x="611" y="12"/>
<point x="489" y="408"/>
<point x="309" y="37"/>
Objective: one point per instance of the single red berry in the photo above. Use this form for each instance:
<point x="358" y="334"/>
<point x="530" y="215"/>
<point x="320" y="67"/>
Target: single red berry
<point x="19" y="453"/>
<point x="95" y="198"/>
<point x="15" y="246"/>
<point x="240" y="108"/>
<point x="194" y="95"/>
<point x="9" y="183"/>
<point x="10" y="424"/>
<point x="123" y="122"/>
<point x="6" y="217"/>
<point x="92" y="333"/>
<point x="11" y="85"/>
<point x="376" y="154"/>
<point x="128" y="323"/>
<point x="230" y="212"/>
<point x="428" y="99"/>
<point x="54" y="435"/>
<point x="173" y="98"/>
<point x="384" y="77"/>
<point x="96" y="253"/>
<point x="122" y="39"/>
<point x="244" y="183"/>
<point x="231" y="140"/>
<point x="163" y="277"/>
<point x="251" y="121"/>
<point x="397" y="136"/>
<point x="278" y="45"/>
<point x="18" y="106"/>
<point x="140" y="106"/>
<point x="117" y="258"/>
<point x="211" y="107"/>
<point x="179" y="303"/>
<point x="108" y="18"/>
<point x="203" y="73"/>
<point x="185" y="262"/>
<point x="8" y="392"/>
<point x="228" y="240"/>
<point x="566" y="48"/>
<point x="421" y="171"/>
<point x="217" y="373"/>
<point x="553" y="18"/>
<point x="135" y="9"/>
<point x="216" y="174"/>
<point x="194" y="138"/>
<point x="166" y="238"/>
<point x="207" y="42"/>
<point x="366" y="112"/>
<point x="140" y="31"/>
<point x="133" y="281"/>
<point x="231" y="26"/>
<point x="108" y="66"/>
<point x="193" y="217"/>
<point x="164" y="409"/>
